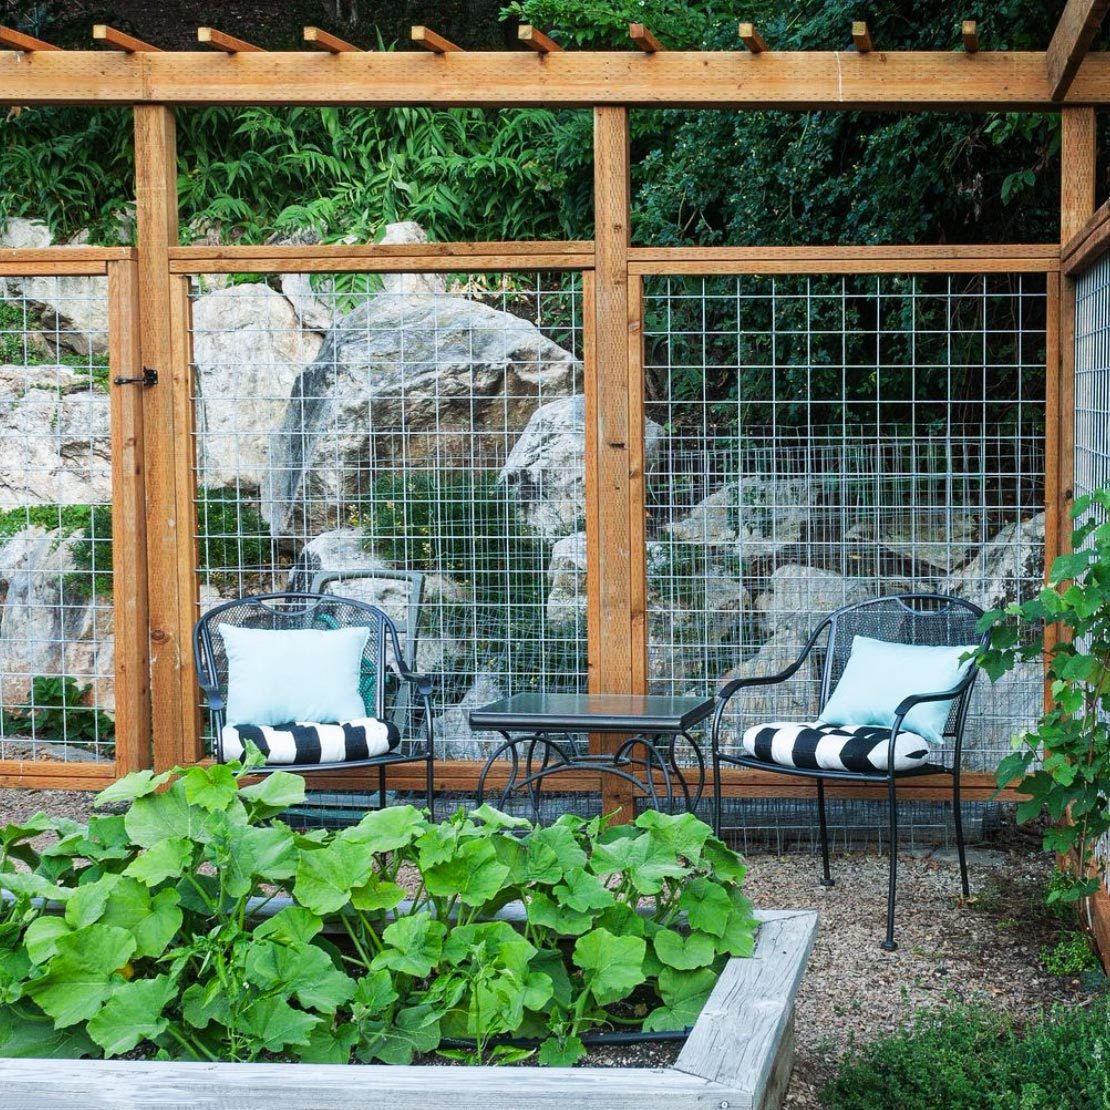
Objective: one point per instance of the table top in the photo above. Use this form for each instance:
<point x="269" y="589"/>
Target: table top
<point x="631" y="713"/>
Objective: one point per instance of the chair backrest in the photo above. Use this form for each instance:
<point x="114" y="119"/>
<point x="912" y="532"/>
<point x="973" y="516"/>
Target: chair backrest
<point x="288" y="611"/>
<point x="919" y="619"/>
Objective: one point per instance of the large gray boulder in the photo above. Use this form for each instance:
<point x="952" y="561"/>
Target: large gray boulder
<point x="48" y="625"/>
<point x="401" y="380"/>
<point x="566" y="577"/>
<point x="546" y="469"/>
<point x="1008" y="568"/>
<point x="454" y="738"/>
<point x="799" y="597"/>
<point x="936" y="541"/>
<point x="249" y="348"/>
<point x="54" y="442"/>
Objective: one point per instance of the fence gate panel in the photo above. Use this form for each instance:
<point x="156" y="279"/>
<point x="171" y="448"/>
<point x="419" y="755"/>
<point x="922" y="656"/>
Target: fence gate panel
<point x="73" y="682"/>
<point x="428" y="423"/>
<point x="814" y="441"/>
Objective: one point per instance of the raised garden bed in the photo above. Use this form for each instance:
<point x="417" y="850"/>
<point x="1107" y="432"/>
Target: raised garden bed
<point x="738" y="1056"/>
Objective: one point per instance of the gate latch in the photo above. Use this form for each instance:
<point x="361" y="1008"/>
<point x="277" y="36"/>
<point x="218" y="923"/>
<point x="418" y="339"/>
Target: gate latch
<point x="150" y="377"/>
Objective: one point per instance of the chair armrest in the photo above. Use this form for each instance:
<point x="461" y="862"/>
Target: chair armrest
<point x="212" y="696"/>
<point x="422" y="682"/>
<point x="937" y="695"/>
<point x="730" y="688"/>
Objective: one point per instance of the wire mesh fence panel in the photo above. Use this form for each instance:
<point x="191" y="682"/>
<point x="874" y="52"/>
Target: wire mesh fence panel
<point x="815" y="441"/>
<point x="57" y="695"/>
<point x="424" y="423"/>
<point x="1092" y="392"/>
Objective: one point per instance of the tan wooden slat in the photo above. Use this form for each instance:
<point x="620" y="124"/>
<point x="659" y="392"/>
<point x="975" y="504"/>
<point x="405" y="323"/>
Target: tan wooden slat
<point x="437" y="44"/>
<point x="751" y="38"/>
<point x="789" y="80"/>
<point x="1053" y="459"/>
<point x="612" y="537"/>
<point x="11" y="39"/>
<point x="969" y="32"/>
<point x="185" y="492"/>
<point x="644" y="39"/>
<point x="1071" y="40"/>
<point x="129" y="581"/>
<point x="536" y="40"/>
<point x="943" y="252"/>
<point x="1087" y="245"/>
<point x="847" y="266"/>
<point x="325" y="40"/>
<point x="36" y="775"/>
<point x="120" y="40"/>
<point x="49" y="261"/>
<point x="229" y="44"/>
<point x="861" y="37"/>
<point x="593" y="525"/>
<point x="156" y="215"/>
<point x="637" y="485"/>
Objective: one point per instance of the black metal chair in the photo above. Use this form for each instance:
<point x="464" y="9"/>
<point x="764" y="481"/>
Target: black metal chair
<point x="385" y="670"/>
<point x="919" y="619"/>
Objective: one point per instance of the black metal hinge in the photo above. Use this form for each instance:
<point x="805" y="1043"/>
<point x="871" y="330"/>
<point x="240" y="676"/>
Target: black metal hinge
<point x="150" y="377"/>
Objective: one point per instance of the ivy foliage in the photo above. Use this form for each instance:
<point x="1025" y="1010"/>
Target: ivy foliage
<point x="148" y="928"/>
<point x="1063" y="765"/>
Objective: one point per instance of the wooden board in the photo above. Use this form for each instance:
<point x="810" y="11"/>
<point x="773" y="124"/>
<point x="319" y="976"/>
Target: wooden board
<point x="129" y="581"/>
<point x="1074" y="34"/>
<point x="156" y="215"/>
<point x="790" y="80"/>
<point x="742" y="1017"/>
<point x="744" y="1036"/>
<point x="1088" y="245"/>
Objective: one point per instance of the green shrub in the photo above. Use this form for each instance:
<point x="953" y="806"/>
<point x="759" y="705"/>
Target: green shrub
<point x="155" y="946"/>
<point x="962" y="1058"/>
<point x="232" y="536"/>
<point x="58" y="713"/>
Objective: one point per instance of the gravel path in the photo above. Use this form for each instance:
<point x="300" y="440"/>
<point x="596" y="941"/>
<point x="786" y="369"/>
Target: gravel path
<point x="987" y="949"/>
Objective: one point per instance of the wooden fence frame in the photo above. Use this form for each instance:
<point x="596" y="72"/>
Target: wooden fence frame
<point x="1062" y="79"/>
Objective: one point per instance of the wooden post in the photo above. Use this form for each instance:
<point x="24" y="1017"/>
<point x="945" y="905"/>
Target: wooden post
<point x="618" y="645"/>
<point x="1077" y="205"/>
<point x="129" y="595"/>
<point x="173" y="705"/>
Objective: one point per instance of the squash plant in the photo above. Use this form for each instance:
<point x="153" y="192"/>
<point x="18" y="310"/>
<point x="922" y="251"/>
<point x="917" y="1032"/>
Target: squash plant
<point x="1063" y="764"/>
<point x="155" y="928"/>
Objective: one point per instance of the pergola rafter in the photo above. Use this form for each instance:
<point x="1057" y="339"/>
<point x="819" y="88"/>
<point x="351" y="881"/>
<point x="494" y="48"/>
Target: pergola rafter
<point x="1072" y="39"/>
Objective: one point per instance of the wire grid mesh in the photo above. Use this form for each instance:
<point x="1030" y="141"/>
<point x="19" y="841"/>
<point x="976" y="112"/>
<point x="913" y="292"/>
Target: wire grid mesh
<point x="426" y="423"/>
<point x="56" y="639"/>
<point x="819" y="441"/>
<point x="1092" y="393"/>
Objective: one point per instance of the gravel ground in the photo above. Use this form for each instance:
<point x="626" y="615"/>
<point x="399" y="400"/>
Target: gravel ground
<point x="985" y="949"/>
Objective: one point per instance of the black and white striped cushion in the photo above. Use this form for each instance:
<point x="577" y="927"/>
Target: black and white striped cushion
<point x="816" y="746"/>
<point x="302" y="742"/>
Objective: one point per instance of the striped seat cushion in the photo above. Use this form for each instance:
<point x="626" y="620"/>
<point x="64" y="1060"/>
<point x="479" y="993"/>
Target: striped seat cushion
<point x="303" y="742"/>
<point x="816" y="746"/>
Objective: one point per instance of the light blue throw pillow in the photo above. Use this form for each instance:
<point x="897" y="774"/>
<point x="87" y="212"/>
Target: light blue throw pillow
<point x="277" y="676"/>
<point x="879" y="676"/>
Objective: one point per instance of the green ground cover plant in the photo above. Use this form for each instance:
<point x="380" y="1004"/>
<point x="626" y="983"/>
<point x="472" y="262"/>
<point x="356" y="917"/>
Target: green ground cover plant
<point x="145" y="929"/>
<point x="965" y="1058"/>
<point x="58" y="712"/>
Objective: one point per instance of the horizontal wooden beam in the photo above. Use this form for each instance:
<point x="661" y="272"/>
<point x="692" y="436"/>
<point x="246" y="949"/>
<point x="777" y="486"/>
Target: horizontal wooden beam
<point x="385" y="258"/>
<point x="970" y="34"/>
<point x="861" y="37"/>
<point x="1071" y="40"/>
<point x="1089" y="245"/>
<point x="536" y="40"/>
<point x="437" y="44"/>
<point x="51" y="261"/>
<point x="752" y="39"/>
<point x="1004" y="258"/>
<point x="11" y="39"/>
<point x="793" y="81"/>
<point x="644" y="39"/>
<point x="120" y="40"/>
<point x="325" y="40"/>
<point x="229" y="44"/>
<point x="49" y="775"/>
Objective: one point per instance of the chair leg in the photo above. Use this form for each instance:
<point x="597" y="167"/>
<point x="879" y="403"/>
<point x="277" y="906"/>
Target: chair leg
<point x="957" y="817"/>
<point x="827" y="880"/>
<point x="381" y="786"/>
<point x="889" y="944"/>
<point x="716" y="793"/>
<point x="431" y="788"/>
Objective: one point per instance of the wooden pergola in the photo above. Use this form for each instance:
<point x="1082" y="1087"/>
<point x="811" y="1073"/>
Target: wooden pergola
<point x="154" y="474"/>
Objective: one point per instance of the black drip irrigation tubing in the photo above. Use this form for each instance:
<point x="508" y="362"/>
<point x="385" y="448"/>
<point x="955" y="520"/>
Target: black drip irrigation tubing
<point x="592" y="1040"/>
